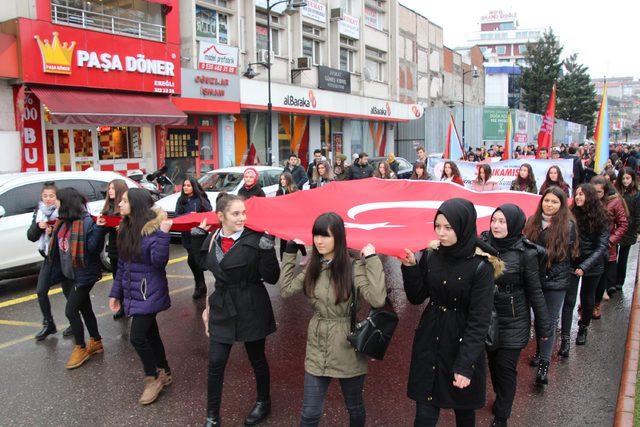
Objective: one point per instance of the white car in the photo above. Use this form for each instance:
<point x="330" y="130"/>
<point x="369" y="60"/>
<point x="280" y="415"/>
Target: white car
<point x="229" y="180"/>
<point x="19" y="196"/>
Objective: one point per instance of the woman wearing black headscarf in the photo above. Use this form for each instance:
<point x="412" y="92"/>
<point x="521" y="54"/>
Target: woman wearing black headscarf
<point x="517" y="291"/>
<point x="448" y="367"/>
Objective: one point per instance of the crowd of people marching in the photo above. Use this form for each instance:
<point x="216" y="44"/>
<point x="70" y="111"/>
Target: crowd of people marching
<point x="568" y="248"/>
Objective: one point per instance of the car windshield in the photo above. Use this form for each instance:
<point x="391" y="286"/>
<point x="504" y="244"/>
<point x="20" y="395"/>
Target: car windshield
<point x="221" y="181"/>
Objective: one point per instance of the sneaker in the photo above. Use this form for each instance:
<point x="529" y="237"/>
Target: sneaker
<point x="79" y="355"/>
<point x="152" y="388"/>
<point x="94" y="347"/>
<point x="165" y="377"/>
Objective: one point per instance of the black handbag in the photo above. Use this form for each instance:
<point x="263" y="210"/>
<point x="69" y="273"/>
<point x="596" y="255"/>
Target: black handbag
<point x="493" y="334"/>
<point x="372" y="336"/>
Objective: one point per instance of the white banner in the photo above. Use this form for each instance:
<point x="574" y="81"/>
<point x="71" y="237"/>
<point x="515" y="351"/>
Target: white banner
<point x="218" y="57"/>
<point x="315" y="10"/>
<point x="349" y="26"/>
<point x="504" y="172"/>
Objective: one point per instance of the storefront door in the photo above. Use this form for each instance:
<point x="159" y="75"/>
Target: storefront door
<point x="74" y="149"/>
<point x="208" y="141"/>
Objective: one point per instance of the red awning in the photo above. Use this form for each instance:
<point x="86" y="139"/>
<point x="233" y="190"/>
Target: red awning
<point x="86" y="107"/>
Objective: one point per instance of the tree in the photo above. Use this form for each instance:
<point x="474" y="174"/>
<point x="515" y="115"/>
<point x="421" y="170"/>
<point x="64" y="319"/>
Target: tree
<point x="542" y="70"/>
<point x="576" y="95"/>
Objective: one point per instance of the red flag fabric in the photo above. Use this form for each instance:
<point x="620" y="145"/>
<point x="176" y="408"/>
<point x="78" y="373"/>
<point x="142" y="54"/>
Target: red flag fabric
<point x="545" y="136"/>
<point x="193" y="219"/>
<point x="251" y="156"/>
<point x="390" y="214"/>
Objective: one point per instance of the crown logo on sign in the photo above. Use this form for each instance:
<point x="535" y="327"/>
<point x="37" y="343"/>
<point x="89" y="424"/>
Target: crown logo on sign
<point x="56" y="56"/>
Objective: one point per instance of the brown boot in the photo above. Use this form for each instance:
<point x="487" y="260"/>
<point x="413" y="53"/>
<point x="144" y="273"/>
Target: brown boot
<point x="94" y="347"/>
<point x="78" y="357"/>
<point x="165" y="377"/>
<point x="596" y="312"/>
<point x="152" y="388"/>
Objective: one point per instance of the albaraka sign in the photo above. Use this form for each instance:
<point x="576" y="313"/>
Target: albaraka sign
<point x="60" y="55"/>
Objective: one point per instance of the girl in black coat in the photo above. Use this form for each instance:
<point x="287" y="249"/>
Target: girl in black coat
<point x="251" y="186"/>
<point x="239" y="310"/>
<point x="627" y="185"/>
<point x="553" y="227"/>
<point x="193" y="199"/>
<point x="593" y="229"/>
<point x="517" y="291"/>
<point x="448" y="367"/>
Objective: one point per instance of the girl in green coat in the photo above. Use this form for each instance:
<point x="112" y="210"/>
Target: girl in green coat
<point x="327" y="282"/>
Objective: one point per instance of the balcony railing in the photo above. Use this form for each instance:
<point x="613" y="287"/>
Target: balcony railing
<point x="107" y="23"/>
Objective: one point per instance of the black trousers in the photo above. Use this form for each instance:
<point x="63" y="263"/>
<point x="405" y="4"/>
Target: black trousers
<point x="42" y="290"/>
<point x="503" y="364"/>
<point x="315" y="391"/>
<point x="198" y="274"/>
<point x="147" y="342"/>
<point x="427" y="416"/>
<point x="218" y="357"/>
<point x="623" y="258"/>
<point x="79" y="303"/>
<point x="607" y="280"/>
<point x="587" y="301"/>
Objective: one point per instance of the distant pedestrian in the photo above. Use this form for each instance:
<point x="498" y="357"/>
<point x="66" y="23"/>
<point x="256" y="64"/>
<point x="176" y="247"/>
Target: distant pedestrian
<point x="322" y="175"/>
<point x="140" y="286"/>
<point x="251" y="187"/>
<point x="627" y="185"/>
<point x="328" y="283"/>
<point x="193" y="199"/>
<point x="297" y="171"/>
<point x="420" y="172"/>
<point x="115" y="190"/>
<point x="393" y="163"/>
<point x="317" y="158"/>
<point x="362" y="169"/>
<point x="554" y="178"/>
<point x="448" y="368"/>
<point x="340" y="170"/>
<point x="451" y="173"/>
<point x="383" y="171"/>
<point x="287" y="186"/>
<point x="422" y="156"/>
<point x="525" y="181"/>
<point x="482" y="183"/>
<point x="552" y="226"/>
<point x="239" y="310"/>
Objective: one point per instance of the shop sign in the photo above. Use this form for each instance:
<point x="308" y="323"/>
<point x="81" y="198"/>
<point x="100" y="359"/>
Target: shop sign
<point x="218" y="57"/>
<point x="30" y="124"/>
<point x="59" y="55"/>
<point x="381" y="111"/>
<point x="349" y="26"/>
<point x="334" y="79"/>
<point x="315" y="10"/>
<point x="308" y="101"/>
<point x="204" y="84"/>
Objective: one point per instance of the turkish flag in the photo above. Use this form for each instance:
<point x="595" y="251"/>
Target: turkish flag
<point x="545" y="136"/>
<point x="390" y="214"/>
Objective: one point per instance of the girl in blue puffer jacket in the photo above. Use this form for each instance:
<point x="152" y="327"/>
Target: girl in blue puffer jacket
<point x="141" y="284"/>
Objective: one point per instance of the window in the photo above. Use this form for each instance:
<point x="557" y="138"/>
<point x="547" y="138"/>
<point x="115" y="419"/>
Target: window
<point x="347" y="6"/>
<point x="119" y="142"/>
<point x="273" y="175"/>
<point x="220" y="3"/>
<point x="501" y="50"/>
<point x="375" y="64"/>
<point x="312" y="44"/>
<point x="82" y="185"/>
<point x="522" y="48"/>
<point x="261" y="39"/>
<point x="21" y="200"/>
<point x="211" y="24"/>
<point x="507" y="26"/>
<point x="347" y="60"/>
<point x="373" y="18"/>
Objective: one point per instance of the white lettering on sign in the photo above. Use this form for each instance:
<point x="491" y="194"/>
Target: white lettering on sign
<point x="135" y="64"/>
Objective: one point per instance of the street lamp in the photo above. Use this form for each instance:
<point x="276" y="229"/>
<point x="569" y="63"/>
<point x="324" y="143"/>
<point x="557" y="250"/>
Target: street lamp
<point x="292" y="7"/>
<point x="475" y="75"/>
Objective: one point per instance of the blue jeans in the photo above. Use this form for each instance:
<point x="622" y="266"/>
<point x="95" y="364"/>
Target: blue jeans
<point x="554" y="300"/>
<point x="315" y="391"/>
<point x="427" y="416"/>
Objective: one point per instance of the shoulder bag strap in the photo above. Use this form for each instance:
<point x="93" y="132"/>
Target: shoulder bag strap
<point x="354" y="298"/>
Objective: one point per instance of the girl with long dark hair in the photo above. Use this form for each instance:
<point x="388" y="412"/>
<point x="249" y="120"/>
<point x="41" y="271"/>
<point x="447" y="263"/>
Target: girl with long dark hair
<point x="627" y="185"/>
<point x="239" y="310"/>
<point x="140" y="285"/>
<point x="448" y="368"/>
<point x="383" y="171"/>
<point x="481" y="183"/>
<point x="593" y="230"/>
<point x="451" y="173"/>
<point x="251" y="187"/>
<point x="287" y="186"/>
<point x="328" y="282"/>
<point x="616" y="209"/>
<point x="526" y="180"/>
<point x="115" y="190"/>
<point x="420" y="172"/>
<point x="74" y="255"/>
<point x="554" y="178"/>
<point x="518" y="290"/>
<point x="553" y="227"/>
<point x="322" y="174"/>
<point x="193" y="199"/>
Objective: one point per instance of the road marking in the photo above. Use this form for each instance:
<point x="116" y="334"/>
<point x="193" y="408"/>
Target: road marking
<point x="62" y="327"/>
<point x="58" y="290"/>
<point x="19" y="323"/>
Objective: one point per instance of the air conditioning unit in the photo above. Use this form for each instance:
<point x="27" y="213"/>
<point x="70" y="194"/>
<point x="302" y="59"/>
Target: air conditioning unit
<point x="303" y="63"/>
<point x="264" y="57"/>
<point x="337" y="14"/>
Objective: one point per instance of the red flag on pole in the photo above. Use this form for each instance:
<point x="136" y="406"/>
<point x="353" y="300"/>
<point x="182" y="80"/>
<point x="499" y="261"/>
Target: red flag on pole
<point x="545" y="136"/>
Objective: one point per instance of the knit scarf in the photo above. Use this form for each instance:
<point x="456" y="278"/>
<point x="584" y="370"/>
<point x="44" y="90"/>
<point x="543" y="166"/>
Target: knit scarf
<point x="546" y="221"/>
<point x="76" y="241"/>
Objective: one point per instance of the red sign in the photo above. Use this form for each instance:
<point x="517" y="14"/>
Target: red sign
<point x="29" y="124"/>
<point x="67" y="56"/>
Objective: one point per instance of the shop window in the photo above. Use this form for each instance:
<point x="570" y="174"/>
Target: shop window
<point x="120" y="142"/>
<point x="293" y="137"/>
<point x="212" y="25"/>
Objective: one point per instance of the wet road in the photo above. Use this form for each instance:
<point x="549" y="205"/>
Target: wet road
<point x="38" y="390"/>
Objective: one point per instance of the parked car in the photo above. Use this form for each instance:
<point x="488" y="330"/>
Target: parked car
<point x="19" y="196"/>
<point x="405" y="169"/>
<point x="229" y="180"/>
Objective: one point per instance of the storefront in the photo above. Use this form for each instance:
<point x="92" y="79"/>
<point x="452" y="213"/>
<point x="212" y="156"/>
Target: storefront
<point x="93" y="100"/>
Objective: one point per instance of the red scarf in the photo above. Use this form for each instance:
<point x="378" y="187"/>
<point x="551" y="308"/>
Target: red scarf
<point x="255" y="182"/>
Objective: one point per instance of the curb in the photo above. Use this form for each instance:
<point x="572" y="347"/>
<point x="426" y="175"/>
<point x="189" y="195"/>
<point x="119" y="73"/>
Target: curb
<point x="626" y="395"/>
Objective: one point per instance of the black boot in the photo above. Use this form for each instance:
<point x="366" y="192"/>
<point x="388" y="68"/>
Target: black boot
<point x="535" y="361"/>
<point x="581" y="339"/>
<point x="68" y="332"/>
<point x="200" y="291"/>
<point x="498" y="422"/>
<point x="213" y="420"/>
<point x="48" y="328"/>
<point x="543" y="372"/>
<point x="565" y="345"/>
<point x="259" y="412"/>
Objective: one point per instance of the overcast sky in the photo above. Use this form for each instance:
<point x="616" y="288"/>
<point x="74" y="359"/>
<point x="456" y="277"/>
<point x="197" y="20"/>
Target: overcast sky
<point x="604" y="34"/>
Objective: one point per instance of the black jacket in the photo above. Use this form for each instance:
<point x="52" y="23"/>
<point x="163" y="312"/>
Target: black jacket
<point x="593" y="251"/>
<point x="193" y="204"/>
<point x="298" y="174"/>
<point x="357" y="171"/>
<point x="633" y="204"/>
<point x="518" y="291"/>
<point x="558" y="276"/>
<point x="450" y="336"/>
<point x="321" y="183"/>
<point x="240" y="308"/>
<point x="255" y="191"/>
